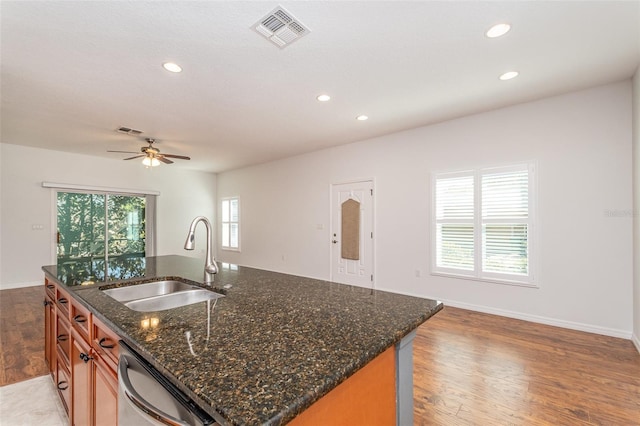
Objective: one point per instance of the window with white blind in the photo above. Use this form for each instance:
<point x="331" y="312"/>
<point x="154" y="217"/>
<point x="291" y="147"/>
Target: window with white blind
<point x="230" y="223"/>
<point x="483" y="223"/>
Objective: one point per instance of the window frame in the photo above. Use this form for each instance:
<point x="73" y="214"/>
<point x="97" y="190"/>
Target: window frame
<point x="477" y="274"/>
<point x="230" y="222"/>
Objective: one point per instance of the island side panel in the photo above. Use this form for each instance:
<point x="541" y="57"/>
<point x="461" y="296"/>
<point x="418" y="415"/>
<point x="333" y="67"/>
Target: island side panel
<point x="404" y="382"/>
<point x="366" y="398"/>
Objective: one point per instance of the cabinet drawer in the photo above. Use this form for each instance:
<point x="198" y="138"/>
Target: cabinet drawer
<point x="50" y="289"/>
<point x="63" y="384"/>
<point x="63" y="338"/>
<point x="105" y="343"/>
<point x="81" y="319"/>
<point x="62" y="302"/>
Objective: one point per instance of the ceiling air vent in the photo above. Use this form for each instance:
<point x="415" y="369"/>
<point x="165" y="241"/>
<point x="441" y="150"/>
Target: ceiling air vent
<point x="128" y="131"/>
<point x="280" y="27"/>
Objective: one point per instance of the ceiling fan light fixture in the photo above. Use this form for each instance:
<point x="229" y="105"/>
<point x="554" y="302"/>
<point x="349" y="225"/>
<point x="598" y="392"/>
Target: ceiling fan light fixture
<point x="149" y="161"/>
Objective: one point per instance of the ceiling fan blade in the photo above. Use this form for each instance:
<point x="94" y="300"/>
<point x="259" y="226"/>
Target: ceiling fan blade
<point x="181" y="157"/>
<point x="125" y="152"/>
<point x="135" y="156"/>
<point x="164" y="160"/>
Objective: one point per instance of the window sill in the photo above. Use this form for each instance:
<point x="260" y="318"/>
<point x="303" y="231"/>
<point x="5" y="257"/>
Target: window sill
<point x="486" y="280"/>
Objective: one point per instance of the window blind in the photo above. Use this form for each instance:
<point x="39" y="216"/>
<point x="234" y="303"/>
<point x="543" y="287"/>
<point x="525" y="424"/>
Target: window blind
<point x="505" y="210"/>
<point x="455" y="226"/>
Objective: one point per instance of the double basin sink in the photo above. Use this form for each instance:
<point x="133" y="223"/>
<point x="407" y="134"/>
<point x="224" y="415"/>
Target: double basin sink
<point x="160" y="295"/>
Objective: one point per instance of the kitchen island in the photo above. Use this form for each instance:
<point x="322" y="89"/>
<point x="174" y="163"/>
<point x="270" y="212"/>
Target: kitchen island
<point x="273" y="347"/>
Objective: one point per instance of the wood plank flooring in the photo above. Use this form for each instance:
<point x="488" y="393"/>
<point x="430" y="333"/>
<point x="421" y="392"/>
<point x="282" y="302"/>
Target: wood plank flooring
<point x="469" y="368"/>
<point x="21" y="334"/>
<point x="477" y="369"/>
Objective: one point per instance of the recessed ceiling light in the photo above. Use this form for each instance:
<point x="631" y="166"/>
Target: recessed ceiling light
<point x="362" y="118"/>
<point x="509" y="75"/>
<point x="323" y="98"/>
<point x="172" y="67"/>
<point x="498" y="30"/>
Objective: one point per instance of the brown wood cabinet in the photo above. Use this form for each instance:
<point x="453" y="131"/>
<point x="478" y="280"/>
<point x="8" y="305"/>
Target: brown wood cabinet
<point x="50" y="327"/>
<point x="82" y="354"/>
<point x="80" y="381"/>
<point x="105" y="394"/>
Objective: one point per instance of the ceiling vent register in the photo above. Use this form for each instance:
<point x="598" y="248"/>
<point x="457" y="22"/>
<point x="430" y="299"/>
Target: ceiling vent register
<point x="280" y="27"/>
<point x="129" y="131"/>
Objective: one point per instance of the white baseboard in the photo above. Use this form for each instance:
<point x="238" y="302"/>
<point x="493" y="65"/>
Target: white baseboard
<point x="545" y="320"/>
<point x="636" y="341"/>
<point x="20" y="285"/>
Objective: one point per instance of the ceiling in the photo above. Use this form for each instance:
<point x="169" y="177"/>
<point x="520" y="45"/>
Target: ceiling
<point x="74" y="72"/>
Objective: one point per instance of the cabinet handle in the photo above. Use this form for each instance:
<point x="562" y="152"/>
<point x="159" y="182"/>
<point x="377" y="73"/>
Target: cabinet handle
<point x="50" y="286"/>
<point x="63" y="301"/>
<point x="86" y="358"/>
<point x="63" y="383"/>
<point x="103" y="345"/>
<point x="62" y="337"/>
<point x="46" y="302"/>
<point x="79" y="318"/>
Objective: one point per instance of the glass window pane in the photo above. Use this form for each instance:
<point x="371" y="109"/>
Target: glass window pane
<point x="505" y="195"/>
<point x="225" y="235"/>
<point x="454" y="246"/>
<point x="505" y="249"/>
<point x="234" y="210"/>
<point x="225" y="210"/>
<point x="454" y="198"/>
<point x="81" y="221"/>
<point x="126" y="228"/>
<point x="234" y="236"/>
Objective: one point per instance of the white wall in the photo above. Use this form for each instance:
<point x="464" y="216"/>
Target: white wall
<point x="24" y="202"/>
<point x="582" y="143"/>
<point x="636" y="209"/>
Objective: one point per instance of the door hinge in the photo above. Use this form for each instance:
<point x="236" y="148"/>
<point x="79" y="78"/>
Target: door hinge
<point x="371" y="192"/>
<point x="371" y="277"/>
<point x="372" y="235"/>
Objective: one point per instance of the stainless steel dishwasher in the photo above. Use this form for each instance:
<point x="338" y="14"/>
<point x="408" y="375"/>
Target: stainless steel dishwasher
<point x="146" y="397"/>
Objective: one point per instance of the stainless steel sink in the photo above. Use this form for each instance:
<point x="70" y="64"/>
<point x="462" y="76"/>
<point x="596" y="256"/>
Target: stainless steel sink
<point x="173" y="300"/>
<point x="160" y="295"/>
<point x="141" y="291"/>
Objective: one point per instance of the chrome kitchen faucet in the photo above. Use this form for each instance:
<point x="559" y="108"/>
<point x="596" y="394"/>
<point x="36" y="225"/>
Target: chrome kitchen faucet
<point x="210" y="266"/>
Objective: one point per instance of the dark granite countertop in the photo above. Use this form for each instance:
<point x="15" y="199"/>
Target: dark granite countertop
<point x="266" y="351"/>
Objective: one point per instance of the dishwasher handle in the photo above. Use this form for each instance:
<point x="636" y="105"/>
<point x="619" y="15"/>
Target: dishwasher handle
<point x="138" y="402"/>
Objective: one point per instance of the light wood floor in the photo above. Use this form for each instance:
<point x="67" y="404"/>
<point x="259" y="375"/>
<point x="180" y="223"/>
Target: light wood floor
<point x="478" y="369"/>
<point x="470" y="368"/>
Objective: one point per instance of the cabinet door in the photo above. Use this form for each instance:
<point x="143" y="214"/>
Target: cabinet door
<point x="63" y="384"/>
<point x="50" y="334"/>
<point x="105" y="394"/>
<point x="80" y="381"/>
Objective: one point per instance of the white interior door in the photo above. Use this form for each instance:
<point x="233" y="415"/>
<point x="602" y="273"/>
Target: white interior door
<point x="352" y="233"/>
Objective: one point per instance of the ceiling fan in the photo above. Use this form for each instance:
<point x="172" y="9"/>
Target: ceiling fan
<point x="152" y="155"/>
